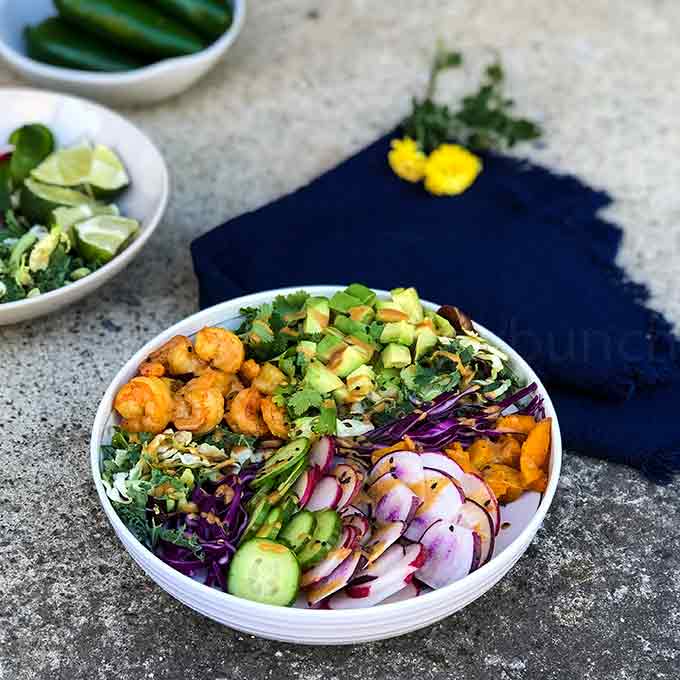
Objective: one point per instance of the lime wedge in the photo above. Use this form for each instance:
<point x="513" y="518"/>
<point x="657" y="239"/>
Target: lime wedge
<point x="107" y="172"/>
<point x="103" y="236"/>
<point x="37" y="201"/>
<point x="66" y="218"/>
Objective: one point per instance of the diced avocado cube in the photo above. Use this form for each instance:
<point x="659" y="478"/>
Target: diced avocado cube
<point x="321" y="379"/>
<point x="307" y="347"/>
<point x="396" y="356"/>
<point x="343" y="363"/>
<point x="334" y="332"/>
<point x="341" y="395"/>
<point x="426" y="339"/>
<point x="329" y="345"/>
<point x="348" y="326"/>
<point x="441" y="325"/>
<point x="342" y="302"/>
<point x="365" y="295"/>
<point x="328" y="418"/>
<point x="318" y="315"/>
<point x="360" y="382"/>
<point x="362" y="314"/>
<point x="260" y="331"/>
<point x="408" y="300"/>
<point x="401" y="332"/>
<point x="390" y="311"/>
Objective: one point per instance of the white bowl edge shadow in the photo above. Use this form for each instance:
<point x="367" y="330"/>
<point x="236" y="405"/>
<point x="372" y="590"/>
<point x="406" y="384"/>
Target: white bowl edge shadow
<point x="191" y="592"/>
<point x="73" y="119"/>
<point x="148" y="84"/>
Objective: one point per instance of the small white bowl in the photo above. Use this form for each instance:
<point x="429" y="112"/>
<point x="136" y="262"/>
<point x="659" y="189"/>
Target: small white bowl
<point x="73" y="120"/>
<point x="324" y="627"/>
<point x="145" y="85"/>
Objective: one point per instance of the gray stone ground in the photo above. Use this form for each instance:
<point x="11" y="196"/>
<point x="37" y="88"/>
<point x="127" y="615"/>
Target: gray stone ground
<point x="596" y="596"/>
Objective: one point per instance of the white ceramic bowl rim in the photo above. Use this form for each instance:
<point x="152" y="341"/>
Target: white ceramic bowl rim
<point x="77" y="76"/>
<point x="136" y="244"/>
<point x="469" y="582"/>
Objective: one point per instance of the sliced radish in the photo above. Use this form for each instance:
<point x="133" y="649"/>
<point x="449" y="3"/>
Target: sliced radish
<point x="399" y="503"/>
<point x="371" y="590"/>
<point x="473" y="485"/>
<point x="451" y="552"/>
<point x="405" y="466"/>
<point x="391" y="557"/>
<point x="332" y="561"/>
<point x="326" y="494"/>
<point x="350" y="480"/>
<point x="406" y="593"/>
<point x="321" y="454"/>
<point x="304" y="486"/>
<point x="337" y="579"/>
<point x="349" y="537"/>
<point x="382" y="538"/>
<point x="442" y="501"/>
<point x="358" y="522"/>
<point x="473" y="516"/>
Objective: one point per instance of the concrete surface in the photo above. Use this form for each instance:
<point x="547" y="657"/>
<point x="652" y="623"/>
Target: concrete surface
<point x="310" y="81"/>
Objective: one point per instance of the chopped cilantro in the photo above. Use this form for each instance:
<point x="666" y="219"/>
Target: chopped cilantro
<point x="291" y="303"/>
<point x="302" y="400"/>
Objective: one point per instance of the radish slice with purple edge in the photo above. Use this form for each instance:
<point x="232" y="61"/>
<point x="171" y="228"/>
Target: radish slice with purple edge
<point x="451" y="552"/>
<point x="406" y="593"/>
<point x="370" y="589"/>
<point x="349" y="537"/>
<point x="350" y="480"/>
<point x="473" y="485"/>
<point x="382" y="538"/>
<point x="336" y="580"/>
<point x="391" y="557"/>
<point x="304" y="485"/>
<point x="325" y="568"/>
<point x="405" y="466"/>
<point x="326" y="495"/>
<point x="443" y="501"/>
<point x="357" y="522"/>
<point x="399" y="503"/>
<point x="473" y="516"/>
<point x="321" y="454"/>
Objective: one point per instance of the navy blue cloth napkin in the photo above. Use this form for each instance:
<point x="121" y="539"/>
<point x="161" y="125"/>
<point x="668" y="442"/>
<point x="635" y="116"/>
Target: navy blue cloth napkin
<point x="522" y="251"/>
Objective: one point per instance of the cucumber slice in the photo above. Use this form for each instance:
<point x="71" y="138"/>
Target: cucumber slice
<point x="264" y="571"/>
<point x="102" y="237"/>
<point x="324" y="539"/>
<point x="272" y="525"/>
<point x="37" y="200"/>
<point x="299" y="530"/>
<point x="257" y="519"/>
<point x="283" y="460"/>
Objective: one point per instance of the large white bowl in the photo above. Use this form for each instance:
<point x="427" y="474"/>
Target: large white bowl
<point x="72" y="120"/>
<point x="322" y="627"/>
<point x="145" y="85"/>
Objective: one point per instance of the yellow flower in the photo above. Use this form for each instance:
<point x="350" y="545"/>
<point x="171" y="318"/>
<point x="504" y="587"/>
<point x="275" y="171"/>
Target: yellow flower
<point x="450" y="170"/>
<point x="407" y="160"/>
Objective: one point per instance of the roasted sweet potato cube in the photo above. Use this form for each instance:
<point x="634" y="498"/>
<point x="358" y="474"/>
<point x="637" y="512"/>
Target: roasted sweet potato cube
<point x="461" y="456"/>
<point x="516" y="423"/>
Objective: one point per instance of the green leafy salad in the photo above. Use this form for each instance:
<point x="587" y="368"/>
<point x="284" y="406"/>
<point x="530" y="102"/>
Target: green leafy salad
<point x="57" y="220"/>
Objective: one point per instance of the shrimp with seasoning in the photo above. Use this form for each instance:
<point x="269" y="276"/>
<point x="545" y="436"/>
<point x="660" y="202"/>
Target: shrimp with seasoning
<point x="275" y="417"/>
<point x="226" y="383"/>
<point x="220" y="348"/>
<point x="145" y="403"/>
<point x="198" y="409"/>
<point x="175" y="357"/>
<point x="243" y="414"/>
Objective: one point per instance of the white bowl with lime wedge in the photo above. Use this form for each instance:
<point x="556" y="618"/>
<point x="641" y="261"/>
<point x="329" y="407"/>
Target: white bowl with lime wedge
<point x="105" y="186"/>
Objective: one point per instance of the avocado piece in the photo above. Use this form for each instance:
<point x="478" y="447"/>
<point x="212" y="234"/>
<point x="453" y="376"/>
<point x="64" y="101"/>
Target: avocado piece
<point x="318" y="315"/>
<point x="396" y="356"/>
<point x="441" y="325"/>
<point x="308" y="348"/>
<point x="408" y="300"/>
<point x="401" y="332"/>
<point x="328" y="346"/>
<point x="365" y="295"/>
<point x="360" y="382"/>
<point x="361" y="313"/>
<point x="426" y="339"/>
<point x="343" y="363"/>
<point x="342" y="302"/>
<point x="334" y="332"/>
<point x="348" y="326"/>
<point x="321" y="379"/>
<point x="389" y="311"/>
<point x="341" y="395"/>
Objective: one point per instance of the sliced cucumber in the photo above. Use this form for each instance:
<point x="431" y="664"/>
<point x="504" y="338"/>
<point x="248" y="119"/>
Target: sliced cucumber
<point x="283" y="460"/>
<point x="37" y="201"/>
<point x="299" y="530"/>
<point x="257" y="519"/>
<point x="324" y="539"/>
<point x="264" y="571"/>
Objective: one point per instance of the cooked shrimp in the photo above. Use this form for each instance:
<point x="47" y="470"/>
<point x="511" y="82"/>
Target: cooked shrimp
<point x="175" y="357"/>
<point x="249" y="370"/>
<point x="275" y="417"/>
<point x="244" y="415"/>
<point x="221" y="348"/>
<point x="145" y="404"/>
<point x="198" y="409"/>
<point x="224" y="382"/>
